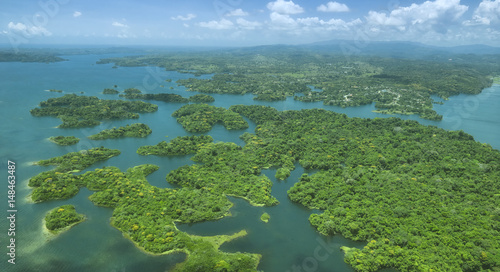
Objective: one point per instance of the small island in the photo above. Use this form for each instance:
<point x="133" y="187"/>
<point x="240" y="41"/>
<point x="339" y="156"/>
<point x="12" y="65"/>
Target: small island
<point x="265" y="217"/>
<point x="165" y="97"/>
<point x="109" y="91"/>
<point x="62" y="140"/>
<point x="137" y="130"/>
<point x="55" y="91"/>
<point x="62" y="218"/>
<point x="201" y="98"/>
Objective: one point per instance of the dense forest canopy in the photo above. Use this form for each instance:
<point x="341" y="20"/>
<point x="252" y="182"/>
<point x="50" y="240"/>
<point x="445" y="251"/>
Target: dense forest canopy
<point x="87" y="111"/>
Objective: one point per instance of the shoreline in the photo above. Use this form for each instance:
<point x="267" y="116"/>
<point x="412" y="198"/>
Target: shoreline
<point x="216" y="241"/>
<point x="51" y="234"/>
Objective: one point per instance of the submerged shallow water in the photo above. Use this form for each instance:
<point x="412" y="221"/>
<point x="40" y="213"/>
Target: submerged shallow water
<point x="286" y="241"/>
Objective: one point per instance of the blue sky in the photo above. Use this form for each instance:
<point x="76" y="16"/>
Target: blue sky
<point x="247" y="22"/>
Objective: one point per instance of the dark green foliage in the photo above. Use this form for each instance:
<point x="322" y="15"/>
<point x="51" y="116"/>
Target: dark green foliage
<point x="201" y="118"/>
<point x="61" y="140"/>
<point x="86" y="111"/>
<point x="227" y="169"/>
<point x="179" y="146"/>
<point x="132" y="91"/>
<point x="201" y="98"/>
<point x="165" y="97"/>
<point x="135" y="130"/>
<point x="110" y="91"/>
<point x="62" y="217"/>
<point x="77" y="161"/>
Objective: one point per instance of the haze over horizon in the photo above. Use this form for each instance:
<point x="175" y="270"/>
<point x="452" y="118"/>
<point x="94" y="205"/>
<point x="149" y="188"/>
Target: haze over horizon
<point x="247" y="23"/>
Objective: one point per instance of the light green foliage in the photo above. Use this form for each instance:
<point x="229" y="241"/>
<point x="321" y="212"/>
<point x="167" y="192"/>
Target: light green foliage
<point x="201" y="118"/>
<point x="181" y="145"/>
<point x="62" y="217"/>
<point x="265" y="217"/>
<point x="86" y="111"/>
<point x="135" y="130"/>
<point x="61" y="140"/>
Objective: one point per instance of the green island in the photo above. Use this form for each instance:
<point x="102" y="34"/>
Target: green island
<point x="201" y="98"/>
<point x="396" y="85"/>
<point x="55" y="91"/>
<point x="62" y="140"/>
<point x="168" y="97"/>
<point x="137" y="130"/>
<point x="87" y="111"/>
<point x="77" y="161"/>
<point x="62" y="218"/>
<point x="146" y="215"/>
<point x="182" y="145"/>
<point x="132" y="91"/>
<point x="265" y="217"/>
<point x="110" y="91"/>
<point x="165" y="97"/>
<point x="202" y="117"/>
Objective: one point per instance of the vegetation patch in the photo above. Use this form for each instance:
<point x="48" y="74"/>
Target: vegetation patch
<point x="87" y="111"/>
<point x="265" y="217"/>
<point x="137" y="130"/>
<point x="202" y="117"/>
<point x="62" y="140"/>
<point x="179" y="146"/>
<point x="62" y="218"/>
<point x="201" y="98"/>
<point x="110" y="91"/>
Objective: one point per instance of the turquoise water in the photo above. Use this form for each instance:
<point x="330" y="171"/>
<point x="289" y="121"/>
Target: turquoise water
<point x="286" y="241"/>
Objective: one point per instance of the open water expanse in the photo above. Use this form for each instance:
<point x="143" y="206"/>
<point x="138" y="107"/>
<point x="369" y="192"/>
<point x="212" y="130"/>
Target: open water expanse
<point x="286" y="241"/>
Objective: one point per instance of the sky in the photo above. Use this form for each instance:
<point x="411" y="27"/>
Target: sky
<point x="247" y="22"/>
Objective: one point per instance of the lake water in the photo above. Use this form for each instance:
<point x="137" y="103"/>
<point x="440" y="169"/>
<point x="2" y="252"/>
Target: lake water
<point x="286" y="241"/>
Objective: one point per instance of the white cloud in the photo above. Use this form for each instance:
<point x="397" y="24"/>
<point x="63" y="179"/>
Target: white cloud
<point x="282" y="21"/>
<point x="436" y="15"/>
<point x="188" y="17"/>
<point x="77" y="14"/>
<point x="237" y="12"/>
<point x="219" y="25"/>
<point x="333" y="7"/>
<point x="487" y="13"/>
<point x="284" y="7"/>
<point x="245" y="24"/>
<point x="118" y="24"/>
<point x="29" y="30"/>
